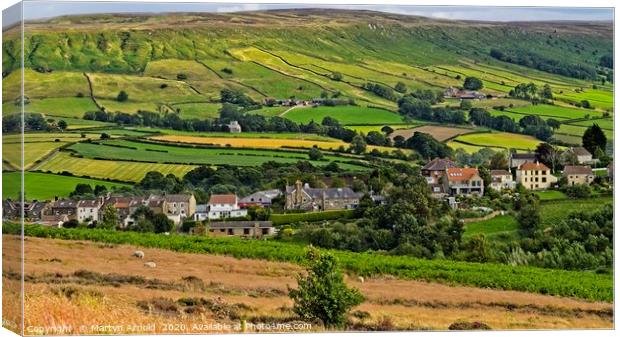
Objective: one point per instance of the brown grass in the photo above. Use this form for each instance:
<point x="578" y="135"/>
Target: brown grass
<point x="80" y="290"/>
<point x="441" y="133"/>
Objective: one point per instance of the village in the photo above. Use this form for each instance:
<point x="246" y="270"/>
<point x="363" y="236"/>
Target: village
<point x="227" y="214"/>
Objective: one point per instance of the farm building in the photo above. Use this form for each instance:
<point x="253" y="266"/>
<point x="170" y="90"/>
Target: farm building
<point x="453" y="92"/>
<point x="535" y="176"/>
<point x="254" y="229"/>
<point x="303" y="197"/>
<point x="578" y="175"/>
<point x="260" y="198"/>
<point x="435" y="169"/>
<point x="234" y="127"/>
<point x="580" y="155"/>
<point x="463" y="181"/>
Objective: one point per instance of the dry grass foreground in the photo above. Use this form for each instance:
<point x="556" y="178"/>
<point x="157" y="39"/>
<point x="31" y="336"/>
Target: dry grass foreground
<point x="77" y="287"/>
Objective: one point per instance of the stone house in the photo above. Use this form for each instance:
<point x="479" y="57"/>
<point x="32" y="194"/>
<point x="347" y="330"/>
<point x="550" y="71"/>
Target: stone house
<point x="517" y="159"/>
<point x="435" y="169"/>
<point x="303" y="197"/>
<point x="578" y="175"/>
<point x="11" y="210"/>
<point x="253" y="229"/>
<point x="463" y="181"/>
<point x="260" y="198"/>
<point x="88" y="210"/>
<point x="583" y="156"/>
<point x="501" y="180"/>
<point x="123" y="209"/>
<point x="179" y="206"/>
<point x="535" y="176"/>
<point x="234" y="127"/>
<point x="66" y="207"/>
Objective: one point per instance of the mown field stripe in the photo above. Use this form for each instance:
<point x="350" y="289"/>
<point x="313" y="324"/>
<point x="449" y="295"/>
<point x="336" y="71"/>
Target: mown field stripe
<point x="586" y="285"/>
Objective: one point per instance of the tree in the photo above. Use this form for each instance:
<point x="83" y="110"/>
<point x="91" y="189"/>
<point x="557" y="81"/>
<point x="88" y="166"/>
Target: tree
<point x="549" y="155"/>
<point x="594" y="138"/>
<point x="546" y="92"/>
<point x="472" y="83"/>
<point x="100" y="189"/>
<point x="82" y="189"/>
<point x="161" y="223"/>
<point x="109" y="219"/>
<point x="498" y="161"/>
<point x="401" y="87"/>
<point x="122" y="96"/>
<point x="553" y="123"/>
<point x="387" y="129"/>
<point x="336" y="76"/>
<point x="315" y="154"/>
<point x="181" y="77"/>
<point x="465" y="104"/>
<point x="322" y="293"/>
<point x="104" y="136"/>
<point x="358" y="144"/>
<point x="62" y="124"/>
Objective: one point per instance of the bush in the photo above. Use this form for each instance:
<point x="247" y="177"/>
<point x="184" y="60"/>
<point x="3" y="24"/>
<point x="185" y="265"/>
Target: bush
<point x="469" y="326"/>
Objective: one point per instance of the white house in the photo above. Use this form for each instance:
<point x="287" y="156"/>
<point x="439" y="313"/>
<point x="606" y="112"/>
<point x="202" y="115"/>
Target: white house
<point x="501" y="180"/>
<point x="88" y="210"/>
<point x="220" y="206"/>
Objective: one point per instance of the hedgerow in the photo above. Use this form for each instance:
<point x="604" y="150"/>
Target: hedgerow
<point x="585" y="285"/>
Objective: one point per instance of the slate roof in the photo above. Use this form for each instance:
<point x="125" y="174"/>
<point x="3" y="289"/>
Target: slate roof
<point x="500" y="173"/>
<point x="88" y="203"/>
<point x="261" y="196"/>
<point x="439" y="164"/>
<point x="578" y="170"/>
<point x="580" y="151"/>
<point x="330" y="193"/>
<point x="177" y="197"/>
<point x="64" y="203"/>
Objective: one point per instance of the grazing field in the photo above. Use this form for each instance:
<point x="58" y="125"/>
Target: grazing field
<point x="500" y="139"/>
<point x="74" y="124"/>
<point x="441" y="133"/>
<point x="578" y="130"/>
<point x="266" y="135"/>
<point x="269" y="143"/>
<point x="198" y="110"/>
<point x="62" y="106"/>
<point x="605" y="124"/>
<point x="501" y="227"/>
<point x="600" y="99"/>
<point x="109" y="169"/>
<point x="44" y="186"/>
<point x="367" y="128"/>
<point x="553" y="211"/>
<point x="347" y="115"/>
<point x="506" y="102"/>
<point x="550" y="195"/>
<point x="270" y="111"/>
<point x="157" y="153"/>
<point x="556" y="111"/>
<point x="44" y="85"/>
<point x="586" y="285"/>
<point x="262" y="298"/>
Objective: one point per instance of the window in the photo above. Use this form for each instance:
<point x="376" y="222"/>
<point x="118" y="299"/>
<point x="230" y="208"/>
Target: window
<point x="265" y="231"/>
<point x="544" y="179"/>
<point x="246" y="231"/>
<point x="222" y="230"/>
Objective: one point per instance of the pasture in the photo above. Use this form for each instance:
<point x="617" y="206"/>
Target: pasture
<point x="198" y="110"/>
<point x="44" y="186"/>
<point x="109" y="169"/>
<point x="346" y="115"/>
<point x="157" y="153"/>
<point x="555" y="210"/>
<point x="500" y="139"/>
<point x="365" y="129"/>
<point x="72" y="107"/>
<point x="440" y="133"/>
<point x="501" y="227"/>
<point x="44" y="85"/>
<point x="555" y="111"/>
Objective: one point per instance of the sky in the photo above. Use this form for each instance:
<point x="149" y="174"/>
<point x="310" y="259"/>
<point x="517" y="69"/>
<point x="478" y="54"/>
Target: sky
<point x="47" y="9"/>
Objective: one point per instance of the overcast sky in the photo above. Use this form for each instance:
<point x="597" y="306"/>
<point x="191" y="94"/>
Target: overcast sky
<point x="47" y="9"/>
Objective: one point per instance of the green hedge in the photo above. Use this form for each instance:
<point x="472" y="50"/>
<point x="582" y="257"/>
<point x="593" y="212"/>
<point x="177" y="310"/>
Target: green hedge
<point x="282" y="219"/>
<point x="586" y="285"/>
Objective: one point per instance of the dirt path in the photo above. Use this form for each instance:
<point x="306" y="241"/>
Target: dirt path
<point x="260" y="288"/>
<point x="287" y="110"/>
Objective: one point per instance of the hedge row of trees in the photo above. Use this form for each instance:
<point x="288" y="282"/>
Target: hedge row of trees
<point x="536" y="61"/>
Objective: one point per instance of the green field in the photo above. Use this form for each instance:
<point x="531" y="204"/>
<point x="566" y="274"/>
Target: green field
<point x="44" y="85"/>
<point x="550" y="195"/>
<point x="505" y="225"/>
<point x="553" y="211"/>
<point x="556" y="111"/>
<point x="198" y="110"/>
<point x="269" y="111"/>
<point x="127" y="150"/>
<point x="109" y="169"/>
<point x="346" y="115"/>
<point x="62" y="106"/>
<point x="43" y="186"/>
<point x="270" y="135"/>
<point x="587" y="285"/>
<point x="500" y="140"/>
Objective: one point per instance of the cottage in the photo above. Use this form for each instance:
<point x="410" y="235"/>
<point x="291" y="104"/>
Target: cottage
<point x="220" y="206"/>
<point x="578" y="175"/>
<point x="260" y="198"/>
<point x="66" y="207"/>
<point x="501" y="180"/>
<point x="88" y="210"/>
<point x="254" y="229"/>
<point x="517" y="159"/>
<point x="463" y="181"/>
<point x="435" y="169"/>
<point x="55" y="220"/>
<point x="11" y="210"/>
<point x="452" y="92"/>
<point x="122" y="206"/>
<point x="234" y="127"/>
<point x="534" y="176"/>
<point x="179" y="206"/>
<point x="582" y="155"/>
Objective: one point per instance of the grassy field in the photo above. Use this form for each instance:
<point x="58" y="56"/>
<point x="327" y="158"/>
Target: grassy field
<point x="500" y="139"/>
<point x="127" y="150"/>
<point x="262" y="142"/>
<point x="266" y="135"/>
<point x="367" y="128"/>
<point x="584" y="285"/>
<point x="62" y="106"/>
<point x="550" y="195"/>
<point x="198" y="110"/>
<point x="495" y="228"/>
<point x="347" y="115"/>
<point x="270" y="111"/>
<point x="441" y="133"/>
<point x="43" y="186"/>
<point x="79" y="123"/>
<point x="109" y="169"/>
<point x="44" y="85"/>
<point x="556" y="111"/>
<point x="261" y="298"/>
<point x="553" y="211"/>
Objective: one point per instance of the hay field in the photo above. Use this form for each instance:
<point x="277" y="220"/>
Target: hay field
<point x="90" y="297"/>
<point x="441" y="133"/>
